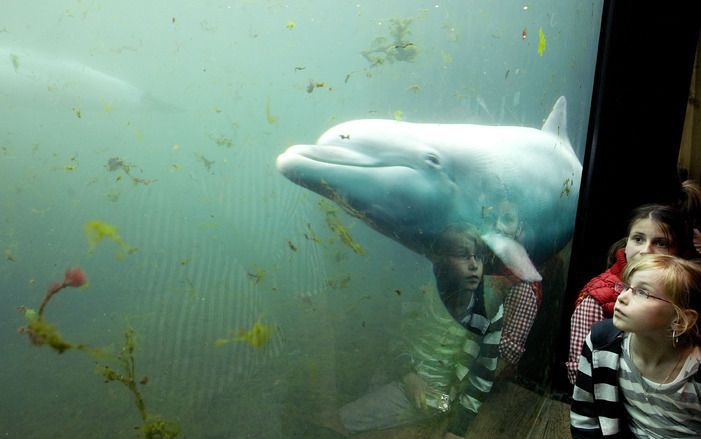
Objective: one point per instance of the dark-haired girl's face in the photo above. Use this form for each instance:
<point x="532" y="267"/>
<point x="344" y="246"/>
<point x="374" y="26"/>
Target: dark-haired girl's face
<point x="647" y="237"/>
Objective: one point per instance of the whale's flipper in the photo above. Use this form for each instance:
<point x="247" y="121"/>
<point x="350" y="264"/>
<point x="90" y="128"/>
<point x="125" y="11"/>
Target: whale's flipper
<point x="513" y="255"/>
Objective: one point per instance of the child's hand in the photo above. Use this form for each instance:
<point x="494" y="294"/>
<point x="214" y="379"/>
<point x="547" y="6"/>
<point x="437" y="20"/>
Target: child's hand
<point x="415" y="388"/>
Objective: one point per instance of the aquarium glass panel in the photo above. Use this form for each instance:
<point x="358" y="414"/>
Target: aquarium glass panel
<point x="278" y="219"/>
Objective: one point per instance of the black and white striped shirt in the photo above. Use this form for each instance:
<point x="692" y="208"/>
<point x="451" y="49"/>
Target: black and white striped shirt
<point x="663" y="411"/>
<point x="608" y="400"/>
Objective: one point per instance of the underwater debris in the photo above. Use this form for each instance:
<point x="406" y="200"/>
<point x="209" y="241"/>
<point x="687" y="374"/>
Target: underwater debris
<point x="337" y="198"/>
<point x="336" y="226"/>
<point x="257" y="335"/>
<point x="566" y="186"/>
<point x="9" y="255"/>
<point x="73" y="165"/>
<point x="299" y="68"/>
<point x="313" y="85"/>
<point x="542" y="44"/>
<point x="446" y="57"/>
<point x="39" y="331"/>
<point x="340" y="282"/>
<point x="207" y="163"/>
<point x="414" y="88"/>
<point x="311" y="235"/>
<point x="145" y="182"/>
<point x="114" y="195"/>
<point x="451" y="33"/>
<point x="153" y="426"/>
<point x="269" y="117"/>
<point x="398" y="115"/>
<point x="223" y="141"/>
<point x="14" y="59"/>
<point x="257" y="276"/>
<point x="97" y="230"/>
<point x="398" y="49"/>
<point x="524" y="33"/>
<point x="116" y="163"/>
<point x="77" y="113"/>
<point x="189" y="289"/>
<point x="291" y="245"/>
<point x="291" y="25"/>
<point x="487" y="212"/>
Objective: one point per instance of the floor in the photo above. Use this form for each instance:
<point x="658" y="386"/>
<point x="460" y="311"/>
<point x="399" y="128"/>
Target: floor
<point x="515" y="412"/>
<point x="511" y="411"/>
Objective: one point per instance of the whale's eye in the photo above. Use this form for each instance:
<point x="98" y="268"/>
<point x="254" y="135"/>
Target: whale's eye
<point x="432" y="159"/>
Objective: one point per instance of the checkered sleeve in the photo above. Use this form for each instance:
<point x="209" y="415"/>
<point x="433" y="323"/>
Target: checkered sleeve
<point x="520" y="308"/>
<point x="588" y="312"/>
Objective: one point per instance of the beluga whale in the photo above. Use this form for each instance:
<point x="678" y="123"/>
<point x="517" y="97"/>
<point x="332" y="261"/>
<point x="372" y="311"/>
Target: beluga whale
<point x="35" y="80"/>
<point x="409" y="181"/>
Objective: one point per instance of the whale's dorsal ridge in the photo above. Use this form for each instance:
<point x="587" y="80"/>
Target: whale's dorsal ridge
<point x="556" y="123"/>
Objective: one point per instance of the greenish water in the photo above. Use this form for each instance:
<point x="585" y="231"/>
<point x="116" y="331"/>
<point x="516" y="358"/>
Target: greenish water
<point x="164" y="120"/>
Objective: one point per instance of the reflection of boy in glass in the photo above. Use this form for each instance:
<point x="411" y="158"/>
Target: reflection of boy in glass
<point x="523" y="298"/>
<point x="449" y="363"/>
<point x="458" y="265"/>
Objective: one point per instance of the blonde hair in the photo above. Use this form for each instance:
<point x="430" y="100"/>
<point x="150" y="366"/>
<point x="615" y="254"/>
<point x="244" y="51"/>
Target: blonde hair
<point x="681" y="279"/>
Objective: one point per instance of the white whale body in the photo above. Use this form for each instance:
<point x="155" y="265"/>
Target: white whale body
<point x="34" y="80"/>
<point x="409" y="181"/>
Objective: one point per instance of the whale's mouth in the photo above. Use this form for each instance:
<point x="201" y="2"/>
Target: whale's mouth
<point x="320" y="155"/>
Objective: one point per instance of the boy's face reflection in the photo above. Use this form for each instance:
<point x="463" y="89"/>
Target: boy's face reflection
<point x="507" y="220"/>
<point x="459" y="268"/>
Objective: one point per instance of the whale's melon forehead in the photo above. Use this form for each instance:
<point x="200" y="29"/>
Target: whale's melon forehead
<point x="363" y="129"/>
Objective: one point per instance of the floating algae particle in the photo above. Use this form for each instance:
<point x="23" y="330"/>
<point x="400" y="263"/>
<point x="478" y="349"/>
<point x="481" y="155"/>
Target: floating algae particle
<point x="313" y="85"/>
<point x="207" y="163"/>
<point x="153" y="425"/>
<point x="311" y="235"/>
<point x="567" y="186"/>
<point x="268" y="113"/>
<point x="343" y="281"/>
<point x="334" y="223"/>
<point x="257" y="335"/>
<point x="116" y="163"/>
<point x="15" y="61"/>
<point x="223" y="141"/>
<point x="97" y="230"/>
<point x="399" y="49"/>
<point x="291" y="25"/>
<point x="542" y="44"/>
<point x="258" y="275"/>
